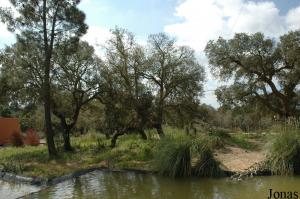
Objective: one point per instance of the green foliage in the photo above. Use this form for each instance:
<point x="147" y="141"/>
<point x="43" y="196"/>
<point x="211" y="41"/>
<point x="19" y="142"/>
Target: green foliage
<point x="206" y="165"/>
<point x="264" y="71"/>
<point x="284" y="152"/>
<point x="173" y="157"/>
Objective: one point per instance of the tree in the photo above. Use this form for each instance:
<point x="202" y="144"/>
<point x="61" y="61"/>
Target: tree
<point x="174" y="74"/>
<point x="126" y="98"/>
<point x="262" y="70"/>
<point x="49" y="22"/>
<point x="75" y="81"/>
<point x="21" y="76"/>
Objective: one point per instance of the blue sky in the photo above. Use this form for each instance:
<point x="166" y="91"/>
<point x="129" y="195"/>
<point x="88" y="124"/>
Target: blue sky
<point x="192" y="22"/>
<point x="141" y="17"/>
<point x="144" y="17"/>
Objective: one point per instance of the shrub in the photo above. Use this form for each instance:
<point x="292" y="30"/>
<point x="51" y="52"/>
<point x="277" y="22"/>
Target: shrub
<point x="16" y="139"/>
<point x="206" y="165"/>
<point x="284" y="153"/>
<point x="32" y="138"/>
<point x="173" y="158"/>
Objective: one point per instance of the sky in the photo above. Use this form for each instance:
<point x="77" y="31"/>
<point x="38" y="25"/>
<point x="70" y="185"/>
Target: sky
<point x="192" y="22"/>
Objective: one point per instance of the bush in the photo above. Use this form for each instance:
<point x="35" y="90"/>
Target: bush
<point x="16" y="139"/>
<point x="32" y="138"/>
<point x="173" y="158"/>
<point x="284" y="153"/>
<point x="206" y="165"/>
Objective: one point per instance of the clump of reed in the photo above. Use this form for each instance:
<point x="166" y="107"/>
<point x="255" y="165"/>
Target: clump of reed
<point x="174" y="157"/>
<point x="284" y="151"/>
<point x="206" y="165"/>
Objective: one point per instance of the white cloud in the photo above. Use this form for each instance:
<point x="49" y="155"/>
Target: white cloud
<point x="293" y="19"/>
<point x="97" y="36"/>
<point x="4" y="33"/>
<point x="207" y="20"/>
<point x="5" y="36"/>
<point x="5" y="3"/>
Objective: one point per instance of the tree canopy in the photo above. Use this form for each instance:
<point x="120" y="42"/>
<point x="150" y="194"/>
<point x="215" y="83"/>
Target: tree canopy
<point x="261" y="69"/>
<point x="49" y="23"/>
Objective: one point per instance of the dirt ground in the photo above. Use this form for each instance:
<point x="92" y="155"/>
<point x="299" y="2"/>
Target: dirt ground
<point x="238" y="159"/>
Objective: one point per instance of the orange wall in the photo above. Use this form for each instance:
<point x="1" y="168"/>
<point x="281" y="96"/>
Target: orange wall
<point x="7" y="127"/>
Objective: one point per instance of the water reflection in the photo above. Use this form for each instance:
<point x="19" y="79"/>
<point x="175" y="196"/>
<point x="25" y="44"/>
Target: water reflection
<point x="15" y="190"/>
<point x="136" y="186"/>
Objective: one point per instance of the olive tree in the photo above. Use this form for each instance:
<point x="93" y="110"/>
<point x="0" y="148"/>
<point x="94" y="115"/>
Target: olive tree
<point x="75" y="84"/>
<point x="261" y="69"/>
<point x="174" y="74"/>
<point x="126" y="96"/>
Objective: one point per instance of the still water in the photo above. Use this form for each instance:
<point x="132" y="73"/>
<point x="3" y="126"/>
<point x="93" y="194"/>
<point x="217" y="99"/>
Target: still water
<point x="12" y="190"/>
<point x="110" y="185"/>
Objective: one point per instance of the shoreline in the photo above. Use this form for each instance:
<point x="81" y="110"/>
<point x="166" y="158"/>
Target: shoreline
<point x="44" y="182"/>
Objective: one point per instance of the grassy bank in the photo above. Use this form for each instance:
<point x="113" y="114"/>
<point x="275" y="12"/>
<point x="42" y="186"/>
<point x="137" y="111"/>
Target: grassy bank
<point x="284" y="151"/>
<point x="92" y="150"/>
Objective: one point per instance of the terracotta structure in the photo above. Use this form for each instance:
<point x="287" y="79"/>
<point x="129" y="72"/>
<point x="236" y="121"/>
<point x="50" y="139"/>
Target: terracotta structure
<point x="8" y="126"/>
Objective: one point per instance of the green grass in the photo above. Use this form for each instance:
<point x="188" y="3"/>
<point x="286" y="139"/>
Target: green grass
<point x="177" y="155"/>
<point x="240" y="140"/>
<point x="90" y="151"/>
<point x="284" y="152"/>
<point x="220" y="137"/>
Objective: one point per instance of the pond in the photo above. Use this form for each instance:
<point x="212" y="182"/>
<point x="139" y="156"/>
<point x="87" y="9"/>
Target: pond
<point x="111" y="185"/>
<point x="14" y="190"/>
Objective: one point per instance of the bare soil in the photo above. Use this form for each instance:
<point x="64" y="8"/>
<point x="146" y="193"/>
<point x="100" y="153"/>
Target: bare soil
<point x="236" y="159"/>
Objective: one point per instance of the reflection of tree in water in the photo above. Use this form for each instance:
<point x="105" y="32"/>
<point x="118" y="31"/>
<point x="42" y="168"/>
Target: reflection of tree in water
<point x="112" y="185"/>
<point x="122" y="185"/>
<point x="173" y="188"/>
<point x="15" y="190"/>
<point x="78" y="192"/>
<point x="88" y="186"/>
